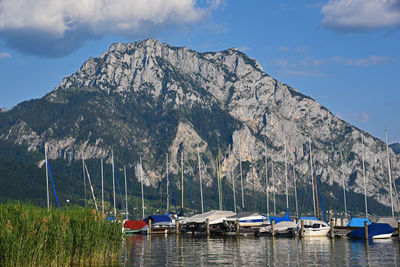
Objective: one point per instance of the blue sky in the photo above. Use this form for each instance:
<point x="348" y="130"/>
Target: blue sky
<point x="343" y="53"/>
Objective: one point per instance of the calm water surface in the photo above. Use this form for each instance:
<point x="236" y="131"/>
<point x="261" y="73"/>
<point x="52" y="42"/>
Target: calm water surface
<point x="142" y="250"/>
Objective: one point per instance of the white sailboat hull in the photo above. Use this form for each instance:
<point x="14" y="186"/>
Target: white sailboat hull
<point x="382" y="236"/>
<point x="323" y="231"/>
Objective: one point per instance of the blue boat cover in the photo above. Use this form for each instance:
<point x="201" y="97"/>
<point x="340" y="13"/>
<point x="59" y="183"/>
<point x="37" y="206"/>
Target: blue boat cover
<point x="280" y="219"/>
<point x="110" y="219"/>
<point x="158" y="219"/>
<point x="358" y="222"/>
<point x="373" y="230"/>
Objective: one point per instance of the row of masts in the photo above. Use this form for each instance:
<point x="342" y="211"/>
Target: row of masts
<point x="219" y="182"/>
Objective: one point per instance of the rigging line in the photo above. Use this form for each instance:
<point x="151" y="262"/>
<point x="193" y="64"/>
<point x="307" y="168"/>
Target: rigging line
<point x="320" y="200"/>
<point x="190" y="189"/>
<point x="172" y="190"/>
<point x="91" y="187"/>
<point x="119" y="189"/>
<point x="52" y="182"/>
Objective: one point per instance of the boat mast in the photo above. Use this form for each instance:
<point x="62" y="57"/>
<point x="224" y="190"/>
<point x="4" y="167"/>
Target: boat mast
<point x="84" y="177"/>
<point x="316" y="188"/>
<point x="286" y="175"/>
<point x="47" y="177"/>
<point x="253" y="179"/>
<point x="266" y="178"/>
<point x="344" y="198"/>
<point x="167" y="175"/>
<point x="102" y="186"/>
<point x="219" y="181"/>
<point x="182" y="178"/>
<point x="295" y="188"/>
<point x="312" y="176"/>
<point x="365" y="183"/>
<point x="241" y="173"/>
<point x="141" y="184"/>
<point x="200" y="181"/>
<point x="113" y="171"/>
<point x="273" y="185"/>
<point x="219" y="196"/>
<point x="390" y="174"/>
<point x="126" y="195"/>
<point x="233" y="184"/>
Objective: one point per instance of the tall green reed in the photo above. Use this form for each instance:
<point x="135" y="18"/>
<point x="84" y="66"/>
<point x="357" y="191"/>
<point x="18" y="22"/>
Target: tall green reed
<point x="32" y="236"/>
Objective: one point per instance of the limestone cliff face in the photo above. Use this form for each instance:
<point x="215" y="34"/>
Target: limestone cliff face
<point x="149" y="98"/>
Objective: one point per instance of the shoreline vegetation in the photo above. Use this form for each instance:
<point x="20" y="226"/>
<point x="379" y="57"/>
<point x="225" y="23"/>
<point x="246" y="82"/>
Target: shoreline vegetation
<point x="32" y="236"/>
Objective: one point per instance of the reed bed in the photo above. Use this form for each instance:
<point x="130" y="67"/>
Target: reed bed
<point x="32" y="236"/>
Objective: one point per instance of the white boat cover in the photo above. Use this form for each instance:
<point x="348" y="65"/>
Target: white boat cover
<point x="247" y="218"/>
<point x="214" y="216"/>
<point x="279" y="227"/>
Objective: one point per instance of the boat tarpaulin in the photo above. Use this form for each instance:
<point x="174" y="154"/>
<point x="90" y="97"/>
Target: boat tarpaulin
<point x="358" y="222"/>
<point x="373" y="230"/>
<point x="214" y="216"/>
<point x="389" y="220"/>
<point x="158" y="219"/>
<point x="134" y="225"/>
<point x="280" y="219"/>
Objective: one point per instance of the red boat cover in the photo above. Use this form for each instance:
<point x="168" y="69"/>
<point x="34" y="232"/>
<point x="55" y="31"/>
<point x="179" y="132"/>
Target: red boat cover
<point x="135" y="225"/>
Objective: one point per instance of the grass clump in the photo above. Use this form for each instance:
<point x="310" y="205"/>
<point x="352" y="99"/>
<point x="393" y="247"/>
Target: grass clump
<point x="32" y="236"/>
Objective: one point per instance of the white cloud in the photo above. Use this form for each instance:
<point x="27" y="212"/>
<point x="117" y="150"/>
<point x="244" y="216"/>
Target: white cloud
<point x="283" y="48"/>
<point x="4" y="55"/>
<point x="361" y="15"/>
<point x="303" y="73"/>
<point x="311" y="67"/>
<point x="244" y="48"/>
<point x="364" y="62"/>
<point x="359" y="117"/>
<point x="68" y="23"/>
<point x="301" y="50"/>
<point x="313" y="62"/>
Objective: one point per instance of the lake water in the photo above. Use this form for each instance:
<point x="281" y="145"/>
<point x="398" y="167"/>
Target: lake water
<point x="171" y="250"/>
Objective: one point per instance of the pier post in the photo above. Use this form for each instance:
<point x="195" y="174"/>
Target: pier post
<point x="398" y="229"/>
<point x="366" y="230"/>
<point x="332" y="228"/>
<point x="302" y="229"/>
<point x="208" y="226"/>
<point x="177" y="227"/>
<point x="149" y="231"/>
<point x="342" y="222"/>
<point x="273" y="227"/>
<point x="237" y="228"/>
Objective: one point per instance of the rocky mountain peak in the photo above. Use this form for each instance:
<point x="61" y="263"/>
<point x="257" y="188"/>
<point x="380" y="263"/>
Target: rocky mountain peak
<point x="149" y="98"/>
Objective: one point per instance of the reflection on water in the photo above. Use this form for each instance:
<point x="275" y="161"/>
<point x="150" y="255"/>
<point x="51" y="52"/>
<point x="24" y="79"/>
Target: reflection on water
<point x="187" y="250"/>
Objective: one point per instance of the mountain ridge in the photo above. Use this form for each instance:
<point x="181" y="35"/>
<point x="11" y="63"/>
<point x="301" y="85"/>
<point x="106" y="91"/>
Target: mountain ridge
<point x="148" y="98"/>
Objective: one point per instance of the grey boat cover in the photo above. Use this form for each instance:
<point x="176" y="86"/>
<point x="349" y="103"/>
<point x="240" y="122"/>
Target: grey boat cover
<point x="389" y="220"/>
<point x="214" y="216"/>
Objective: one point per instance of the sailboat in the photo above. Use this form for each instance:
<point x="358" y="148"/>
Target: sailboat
<point x="378" y="230"/>
<point x="283" y="226"/>
<point x="313" y="226"/>
<point x="134" y="226"/>
<point x="359" y="222"/>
